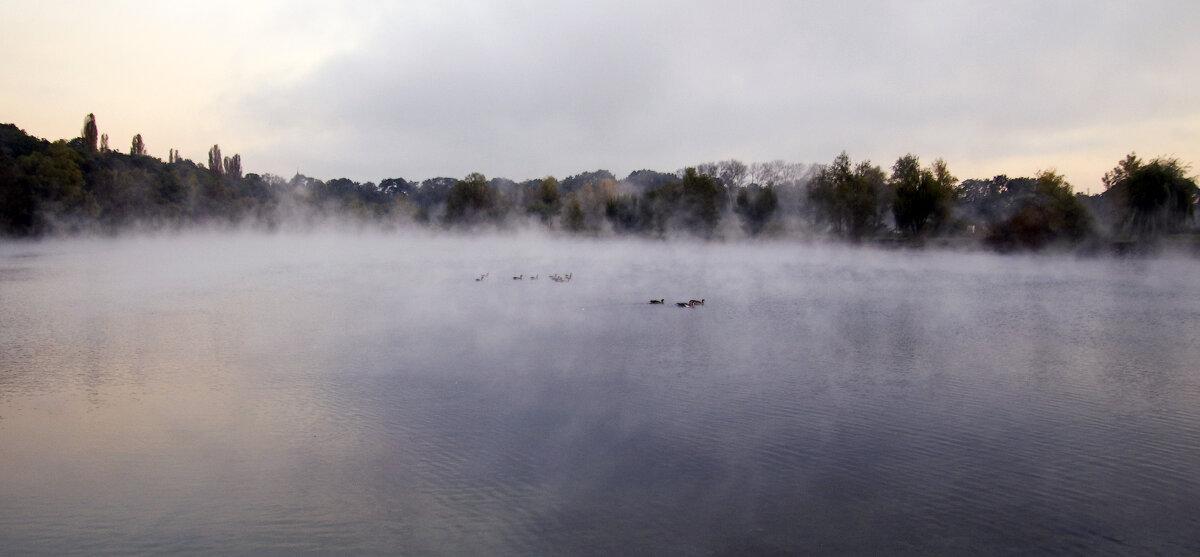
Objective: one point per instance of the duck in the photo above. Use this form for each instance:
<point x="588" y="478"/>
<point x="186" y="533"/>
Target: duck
<point x="683" y="304"/>
<point x="519" y="277"/>
<point x="658" y="301"/>
<point x="699" y="302"/>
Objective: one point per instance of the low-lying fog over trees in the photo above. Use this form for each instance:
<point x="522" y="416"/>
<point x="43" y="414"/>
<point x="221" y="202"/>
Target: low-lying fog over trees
<point x="83" y="186"/>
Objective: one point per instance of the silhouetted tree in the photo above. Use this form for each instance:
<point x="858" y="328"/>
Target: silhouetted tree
<point x="848" y="199"/>
<point x="54" y="181"/>
<point x="622" y="213"/>
<point x="137" y="147"/>
<point x="90" y="133"/>
<point x="1053" y="215"/>
<point x="233" y="167"/>
<point x="641" y="181"/>
<point x="215" y="163"/>
<point x="700" y="198"/>
<point x="756" y="205"/>
<point x="104" y="143"/>
<point x="470" y="201"/>
<point x="923" y="197"/>
<point x="433" y="192"/>
<point x="573" y="183"/>
<point x="1152" y="198"/>
<point x="986" y="202"/>
<point x="398" y="187"/>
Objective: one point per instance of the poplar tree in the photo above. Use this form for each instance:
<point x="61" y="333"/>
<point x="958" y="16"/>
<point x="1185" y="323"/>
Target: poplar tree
<point x="137" y="147"/>
<point x="233" y="166"/>
<point x="90" y="133"/>
<point x="215" y="164"/>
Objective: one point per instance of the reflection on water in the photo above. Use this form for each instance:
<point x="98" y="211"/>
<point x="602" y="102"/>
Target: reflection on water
<point x="336" y="394"/>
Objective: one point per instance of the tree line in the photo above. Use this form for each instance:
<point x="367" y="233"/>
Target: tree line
<point x="82" y="185"/>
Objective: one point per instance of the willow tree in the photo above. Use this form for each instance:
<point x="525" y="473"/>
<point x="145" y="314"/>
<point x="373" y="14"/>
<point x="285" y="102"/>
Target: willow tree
<point x="1151" y="198"/>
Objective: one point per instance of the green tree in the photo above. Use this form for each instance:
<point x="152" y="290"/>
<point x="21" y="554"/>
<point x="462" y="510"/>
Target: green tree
<point x="922" y="197"/>
<point x="574" y="219"/>
<point x="1053" y="215"/>
<point x="700" y="199"/>
<point x="622" y="213"/>
<point x="848" y="199"/>
<point x="1152" y="198"/>
<point x="55" y="182"/>
<point x="756" y="206"/>
<point x="548" y="202"/>
<point x="470" y="201"/>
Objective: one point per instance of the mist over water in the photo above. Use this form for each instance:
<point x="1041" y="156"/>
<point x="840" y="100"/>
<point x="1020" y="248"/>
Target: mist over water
<point x="345" y="393"/>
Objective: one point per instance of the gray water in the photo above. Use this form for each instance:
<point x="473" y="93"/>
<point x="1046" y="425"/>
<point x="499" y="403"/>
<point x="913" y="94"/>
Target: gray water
<point x="339" y="393"/>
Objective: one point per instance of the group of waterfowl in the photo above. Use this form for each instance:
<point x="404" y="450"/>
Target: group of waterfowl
<point x="555" y="277"/>
<point x="567" y="278"/>
<point x="687" y="304"/>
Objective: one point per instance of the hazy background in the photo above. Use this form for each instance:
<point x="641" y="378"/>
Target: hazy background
<point x="526" y="89"/>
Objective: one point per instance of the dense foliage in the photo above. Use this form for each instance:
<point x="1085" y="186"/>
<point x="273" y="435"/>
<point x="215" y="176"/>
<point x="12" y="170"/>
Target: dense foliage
<point x="849" y="200"/>
<point x="1153" y="198"/>
<point x="80" y="185"/>
<point x="923" y="198"/>
<point x="1052" y="214"/>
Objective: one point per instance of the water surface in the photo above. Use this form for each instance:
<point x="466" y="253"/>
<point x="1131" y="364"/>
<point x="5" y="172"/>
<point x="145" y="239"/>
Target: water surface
<point x="336" y="393"/>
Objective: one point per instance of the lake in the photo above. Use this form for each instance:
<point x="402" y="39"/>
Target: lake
<point x="342" y="393"/>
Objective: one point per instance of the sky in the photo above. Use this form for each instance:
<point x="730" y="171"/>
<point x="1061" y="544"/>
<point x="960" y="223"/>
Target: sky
<point x="531" y="88"/>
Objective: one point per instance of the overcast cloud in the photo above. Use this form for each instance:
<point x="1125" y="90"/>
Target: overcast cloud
<point x="532" y="88"/>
